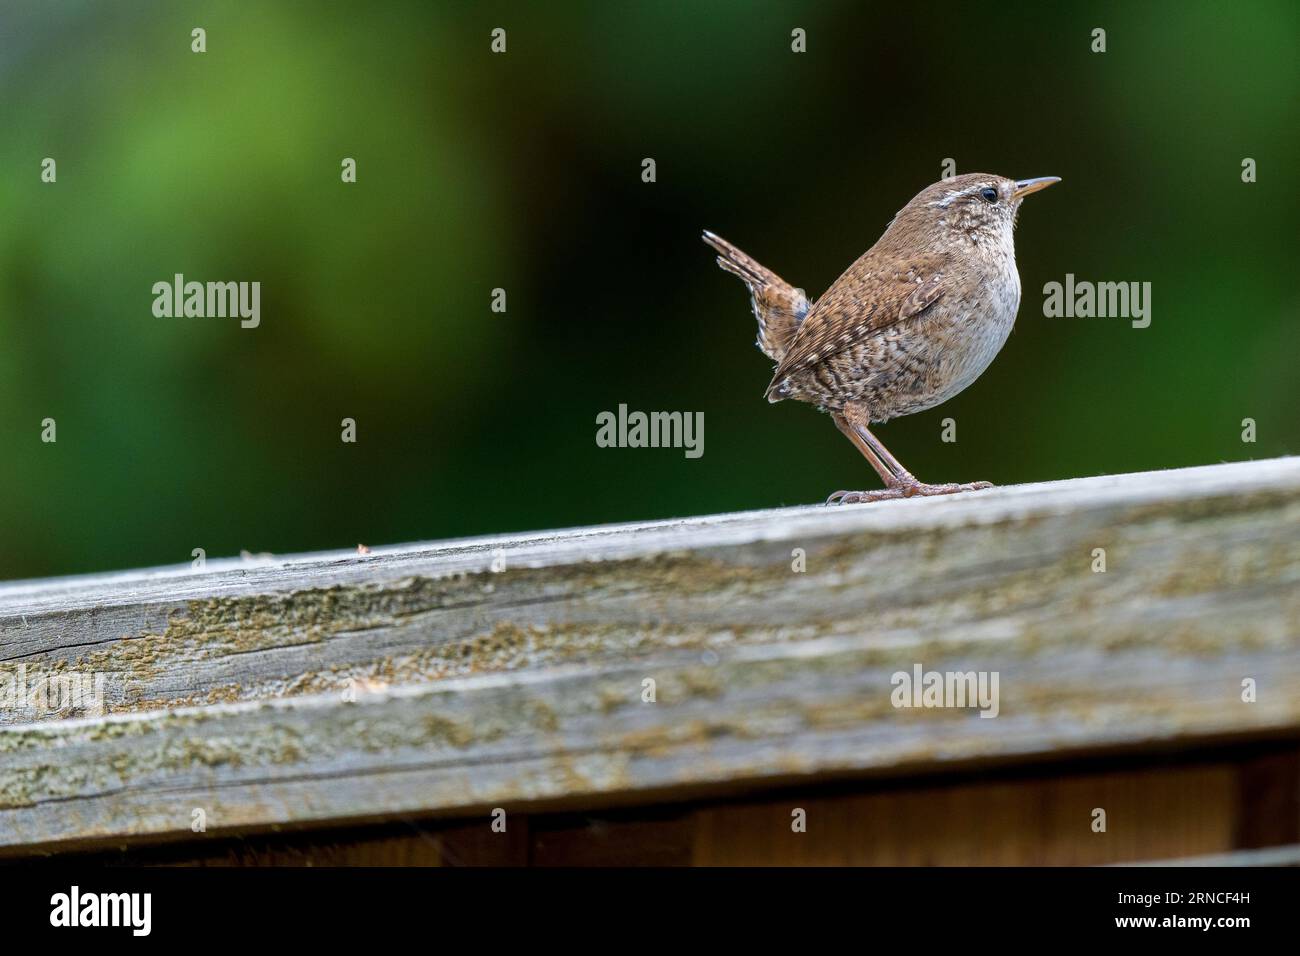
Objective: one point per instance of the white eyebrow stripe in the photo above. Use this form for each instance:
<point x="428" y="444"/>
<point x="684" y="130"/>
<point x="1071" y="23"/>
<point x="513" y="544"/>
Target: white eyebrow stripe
<point x="949" y="198"/>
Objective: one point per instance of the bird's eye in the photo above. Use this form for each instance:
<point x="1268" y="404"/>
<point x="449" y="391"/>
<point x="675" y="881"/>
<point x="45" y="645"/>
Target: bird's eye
<point x="989" y="195"/>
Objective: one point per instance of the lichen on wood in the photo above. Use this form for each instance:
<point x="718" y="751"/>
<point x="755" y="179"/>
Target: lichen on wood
<point x="439" y="678"/>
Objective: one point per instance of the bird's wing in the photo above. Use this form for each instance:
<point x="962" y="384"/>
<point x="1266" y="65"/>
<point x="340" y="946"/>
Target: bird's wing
<point x="861" y="303"/>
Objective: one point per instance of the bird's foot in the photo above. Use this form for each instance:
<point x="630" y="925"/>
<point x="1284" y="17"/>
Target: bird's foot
<point x="905" y="489"/>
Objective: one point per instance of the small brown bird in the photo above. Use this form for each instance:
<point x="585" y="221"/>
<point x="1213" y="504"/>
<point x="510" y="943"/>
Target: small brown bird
<point x="909" y="325"/>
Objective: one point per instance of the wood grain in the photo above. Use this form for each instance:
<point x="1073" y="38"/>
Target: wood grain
<point x="420" y="679"/>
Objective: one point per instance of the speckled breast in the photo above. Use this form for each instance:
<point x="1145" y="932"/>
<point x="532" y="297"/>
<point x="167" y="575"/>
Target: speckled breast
<point x="921" y="363"/>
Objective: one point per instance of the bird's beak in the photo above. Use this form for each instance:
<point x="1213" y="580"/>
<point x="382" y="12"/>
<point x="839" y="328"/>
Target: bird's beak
<point x="1026" y="186"/>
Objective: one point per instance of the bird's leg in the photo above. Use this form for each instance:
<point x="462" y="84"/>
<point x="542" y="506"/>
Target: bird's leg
<point x="899" y="482"/>
<point x="891" y="473"/>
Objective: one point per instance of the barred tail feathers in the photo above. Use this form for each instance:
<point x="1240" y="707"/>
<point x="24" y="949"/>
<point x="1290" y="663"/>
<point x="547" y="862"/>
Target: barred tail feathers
<point x="778" y="306"/>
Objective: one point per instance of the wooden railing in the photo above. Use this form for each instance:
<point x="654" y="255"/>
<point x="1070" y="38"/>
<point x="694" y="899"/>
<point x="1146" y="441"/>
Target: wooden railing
<point x="711" y="658"/>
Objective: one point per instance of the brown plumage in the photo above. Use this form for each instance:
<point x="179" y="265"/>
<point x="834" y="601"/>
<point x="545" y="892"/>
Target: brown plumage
<point x="915" y="320"/>
<point x="778" y="306"/>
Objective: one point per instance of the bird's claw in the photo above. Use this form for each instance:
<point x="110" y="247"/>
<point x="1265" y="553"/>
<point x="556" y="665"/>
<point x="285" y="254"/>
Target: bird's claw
<point x="905" y="489"/>
<point x="853" y="497"/>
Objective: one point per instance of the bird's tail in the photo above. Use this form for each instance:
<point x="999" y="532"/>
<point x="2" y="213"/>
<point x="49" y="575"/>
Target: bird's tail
<point x="778" y="306"/>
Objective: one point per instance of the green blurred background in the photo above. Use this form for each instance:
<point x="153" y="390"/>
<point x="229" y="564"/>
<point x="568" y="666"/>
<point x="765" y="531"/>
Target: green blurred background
<point x="523" y="171"/>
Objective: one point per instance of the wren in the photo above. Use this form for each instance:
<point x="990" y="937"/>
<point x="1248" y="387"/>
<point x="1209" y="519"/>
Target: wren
<point x="913" y="322"/>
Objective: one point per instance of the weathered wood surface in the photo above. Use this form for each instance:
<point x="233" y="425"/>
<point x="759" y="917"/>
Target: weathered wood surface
<point x="227" y="690"/>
